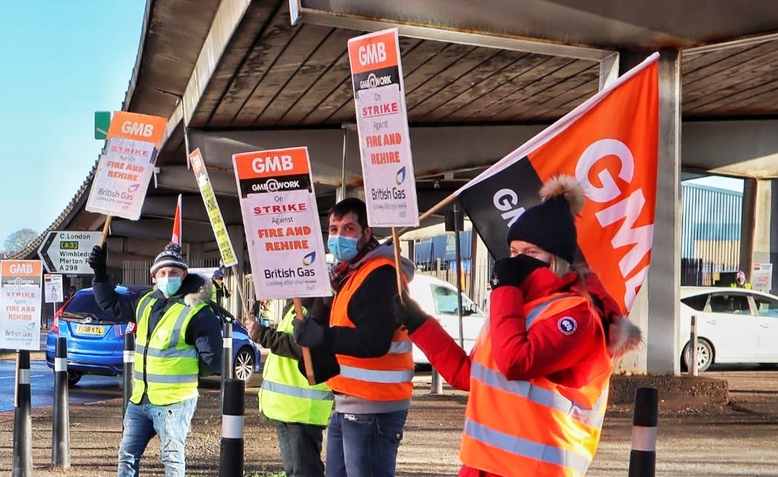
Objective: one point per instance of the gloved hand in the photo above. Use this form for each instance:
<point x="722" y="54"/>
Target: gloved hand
<point x="512" y="271"/>
<point x="97" y="261"/>
<point x="408" y="313"/>
<point x="308" y="332"/>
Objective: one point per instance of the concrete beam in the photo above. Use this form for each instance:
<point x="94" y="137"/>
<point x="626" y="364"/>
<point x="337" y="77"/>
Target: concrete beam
<point x="178" y="178"/>
<point x="451" y="35"/>
<point x="160" y="229"/>
<point x="747" y="148"/>
<point x="193" y="208"/>
<point x="226" y="20"/>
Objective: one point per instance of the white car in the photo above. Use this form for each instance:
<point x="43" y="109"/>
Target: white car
<point x="439" y="299"/>
<point x="734" y="325"/>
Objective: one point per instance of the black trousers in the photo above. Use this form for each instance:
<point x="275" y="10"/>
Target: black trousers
<point x="300" y="449"/>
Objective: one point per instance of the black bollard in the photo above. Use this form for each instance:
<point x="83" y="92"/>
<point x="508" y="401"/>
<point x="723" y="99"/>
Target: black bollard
<point x="226" y="354"/>
<point x="60" y="431"/>
<point x="231" y="455"/>
<point x="22" y="453"/>
<point x="128" y="360"/>
<point x="642" y="457"/>
<point x="227" y="370"/>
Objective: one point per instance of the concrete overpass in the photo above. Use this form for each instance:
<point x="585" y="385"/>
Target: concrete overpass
<point x="480" y="79"/>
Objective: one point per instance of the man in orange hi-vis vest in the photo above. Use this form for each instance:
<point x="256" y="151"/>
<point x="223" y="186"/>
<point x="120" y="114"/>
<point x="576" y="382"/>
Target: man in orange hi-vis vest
<point x="373" y="385"/>
<point x="538" y="374"/>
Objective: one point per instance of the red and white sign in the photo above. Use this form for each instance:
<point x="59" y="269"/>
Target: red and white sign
<point x="20" y="304"/>
<point x="382" y="124"/>
<point x="125" y="169"/>
<point x="281" y="221"/>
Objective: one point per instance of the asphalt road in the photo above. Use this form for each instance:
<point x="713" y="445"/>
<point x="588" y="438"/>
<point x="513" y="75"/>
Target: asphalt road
<point x="89" y="389"/>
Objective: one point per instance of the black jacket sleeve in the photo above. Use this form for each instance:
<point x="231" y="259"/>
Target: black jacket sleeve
<point x="279" y="343"/>
<point x="121" y="307"/>
<point x="370" y="309"/>
<point x="204" y="333"/>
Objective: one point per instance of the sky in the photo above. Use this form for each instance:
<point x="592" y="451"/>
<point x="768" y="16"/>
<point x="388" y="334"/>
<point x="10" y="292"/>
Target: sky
<point x="61" y="62"/>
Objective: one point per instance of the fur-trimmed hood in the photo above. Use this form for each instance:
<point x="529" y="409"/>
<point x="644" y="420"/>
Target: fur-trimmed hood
<point x="622" y="335"/>
<point x="194" y="290"/>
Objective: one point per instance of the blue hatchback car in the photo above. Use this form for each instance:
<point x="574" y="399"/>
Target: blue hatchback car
<point x="95" y="344"/>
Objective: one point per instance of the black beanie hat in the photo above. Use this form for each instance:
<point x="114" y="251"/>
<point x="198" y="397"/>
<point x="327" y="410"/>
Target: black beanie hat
<point x="170" y="256"/>
<point x="550" y="225"/>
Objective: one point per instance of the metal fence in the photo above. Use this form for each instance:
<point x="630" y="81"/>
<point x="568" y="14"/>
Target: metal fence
<point x="710" y="235"/>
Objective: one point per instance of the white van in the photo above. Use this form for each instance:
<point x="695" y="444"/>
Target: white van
<point x="439" y="299"/>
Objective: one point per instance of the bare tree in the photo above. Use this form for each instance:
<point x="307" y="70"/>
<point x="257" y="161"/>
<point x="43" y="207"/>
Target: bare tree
<point x="18" y="240"/>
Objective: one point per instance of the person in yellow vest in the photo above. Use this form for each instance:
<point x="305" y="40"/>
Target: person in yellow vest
<point x="177" y="338"/>
<point x="299" y="410"/>
<point x="538" y="374"/>
<point x="373" y="384"/>
<point x="740" y="281"/>
<point x="219" y="290"/>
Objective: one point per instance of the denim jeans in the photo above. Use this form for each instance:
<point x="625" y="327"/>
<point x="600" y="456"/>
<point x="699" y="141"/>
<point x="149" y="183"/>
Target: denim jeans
<point x="142" y="422"/>
<point x="364" y="445"/>
<point x="300" y="449"/>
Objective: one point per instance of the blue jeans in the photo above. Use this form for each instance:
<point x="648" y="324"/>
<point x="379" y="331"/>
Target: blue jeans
<point x="142" y="422"/>
<point x="364" y="445"/>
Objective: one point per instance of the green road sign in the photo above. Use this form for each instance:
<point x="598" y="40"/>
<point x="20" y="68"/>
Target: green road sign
<point x="102" y="123"/>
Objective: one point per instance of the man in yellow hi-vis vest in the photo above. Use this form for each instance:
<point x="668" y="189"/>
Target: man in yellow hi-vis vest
<point x="177" y="336"/>
<point x="300" y="411"/>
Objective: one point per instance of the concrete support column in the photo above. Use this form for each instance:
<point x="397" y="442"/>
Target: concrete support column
<point x="238" y="238"/>
<point x="761" y="246"/>
<point x="774" y="234"/>
<point x="664" y="276"/>
<point x="748" y="215"/>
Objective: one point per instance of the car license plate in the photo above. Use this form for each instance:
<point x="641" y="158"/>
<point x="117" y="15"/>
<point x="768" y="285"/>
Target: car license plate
<point x="91" y="330"/>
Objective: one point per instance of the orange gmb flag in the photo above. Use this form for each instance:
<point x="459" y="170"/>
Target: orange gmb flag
<point x="609" y="144"/>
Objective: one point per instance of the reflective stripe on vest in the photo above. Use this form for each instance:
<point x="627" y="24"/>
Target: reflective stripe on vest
<point x="376" y="376"/>
<point x="166" y="367"/>
<point x="384" y="378"/>
<point x="538" y="395"/>
<point x="297" y="392"/>
<point x="166" y="378"/>
<point x="166" y="353"/>
<point x="526" y="448"/>
<point x="535" y="426"/>
<point x="285" y="394"/>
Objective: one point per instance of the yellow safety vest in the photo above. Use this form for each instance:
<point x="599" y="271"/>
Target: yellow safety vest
<point x="166" y="367"/>
<point x="285" y="394"/>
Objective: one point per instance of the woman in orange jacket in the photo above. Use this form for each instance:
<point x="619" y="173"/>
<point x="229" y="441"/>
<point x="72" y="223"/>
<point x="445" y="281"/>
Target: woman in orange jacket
<point x="538" y="374"/>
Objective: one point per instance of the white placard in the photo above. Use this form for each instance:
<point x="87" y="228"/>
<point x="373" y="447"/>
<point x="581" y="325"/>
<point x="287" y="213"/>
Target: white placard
<point x="53" y="288"/>
<point x="125" y="169"/>
<point x="281" y="221"/>
<point x="20" y="304"/>
<point x="382" y="124"/>
<point x="762" y="277"/>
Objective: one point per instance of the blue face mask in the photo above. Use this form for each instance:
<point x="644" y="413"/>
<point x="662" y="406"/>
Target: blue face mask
<point x="344" y="248"/>
<point x="169" y="285"/>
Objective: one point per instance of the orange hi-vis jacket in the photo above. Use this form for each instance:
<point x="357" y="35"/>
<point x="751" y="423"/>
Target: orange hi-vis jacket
<point x="534" y="427"/>
<point x="385" y="378"/>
